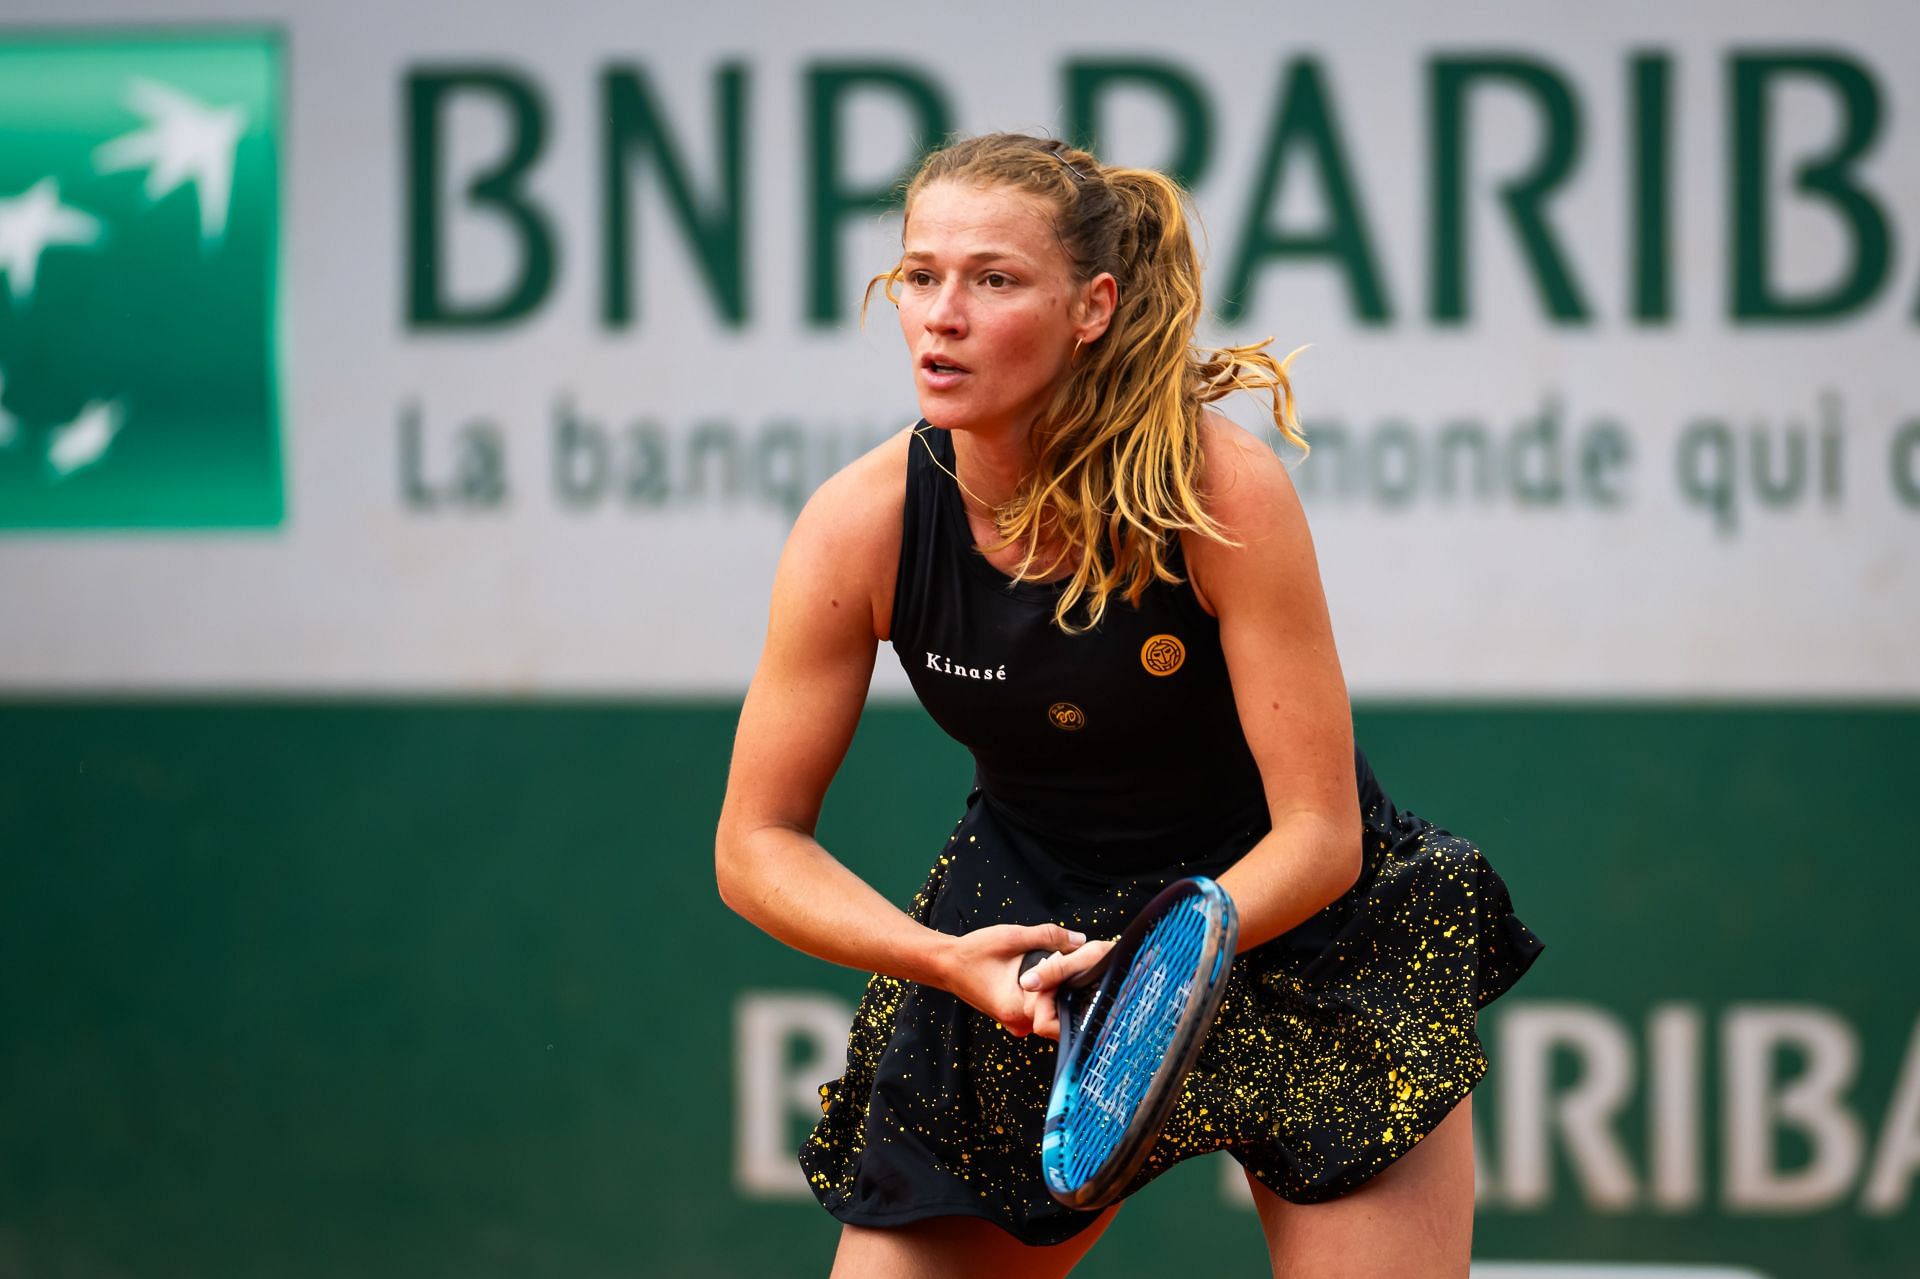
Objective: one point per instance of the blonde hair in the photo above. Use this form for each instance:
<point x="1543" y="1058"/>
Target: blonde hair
<point x="1116" y="455"/>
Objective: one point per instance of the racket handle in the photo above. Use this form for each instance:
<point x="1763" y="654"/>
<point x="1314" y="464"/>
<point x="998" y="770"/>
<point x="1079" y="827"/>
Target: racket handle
<point x="1031" y="960"/>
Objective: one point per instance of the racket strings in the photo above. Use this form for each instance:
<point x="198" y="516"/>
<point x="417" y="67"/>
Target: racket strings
<point x="1128" y="1048"/>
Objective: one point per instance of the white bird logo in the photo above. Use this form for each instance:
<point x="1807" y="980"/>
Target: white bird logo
<point x="183" y="141"/>
<point x="34" y="222"/>
<point x="9" y="429"/>
<point x="85" y="440"/>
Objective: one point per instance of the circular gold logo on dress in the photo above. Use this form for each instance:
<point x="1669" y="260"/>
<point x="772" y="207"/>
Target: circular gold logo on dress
<point x="1066" y="715"/>
<point x="1162" y="654"/>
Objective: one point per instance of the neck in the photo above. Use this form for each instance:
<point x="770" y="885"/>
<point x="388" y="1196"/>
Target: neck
<point x="990" y="467"/>
<point x="989" y="470"/>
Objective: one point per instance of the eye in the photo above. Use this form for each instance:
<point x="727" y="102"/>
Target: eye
<point x="995" y="280"/>
<point x="919" y="279"/>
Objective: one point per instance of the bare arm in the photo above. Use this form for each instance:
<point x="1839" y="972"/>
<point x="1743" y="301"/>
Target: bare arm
<point x="1287" y="685"/>
<point x="831" y="599"/>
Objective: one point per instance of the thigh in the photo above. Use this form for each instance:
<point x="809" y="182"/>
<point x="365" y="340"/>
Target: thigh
<point x="955" y="1248"/>
<point x="1413" y="1221"/>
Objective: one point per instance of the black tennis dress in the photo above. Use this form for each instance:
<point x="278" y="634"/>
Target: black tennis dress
<point x="1108" y="764"/>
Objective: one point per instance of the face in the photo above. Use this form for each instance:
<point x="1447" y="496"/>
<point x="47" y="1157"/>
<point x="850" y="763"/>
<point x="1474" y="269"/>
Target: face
<point x="989" y="306"/>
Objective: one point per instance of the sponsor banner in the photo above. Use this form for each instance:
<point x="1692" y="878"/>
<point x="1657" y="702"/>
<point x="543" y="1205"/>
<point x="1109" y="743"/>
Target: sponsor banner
<point x="139" y="219"/>
<point x="372" y="988"/>
<point x="1610" y="321"/>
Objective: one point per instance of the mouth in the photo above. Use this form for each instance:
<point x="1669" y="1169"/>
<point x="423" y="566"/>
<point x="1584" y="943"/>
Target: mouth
<point x="941" y="367"/>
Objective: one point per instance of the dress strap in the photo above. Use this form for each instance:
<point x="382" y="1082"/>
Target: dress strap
<point x="919" y="531"/>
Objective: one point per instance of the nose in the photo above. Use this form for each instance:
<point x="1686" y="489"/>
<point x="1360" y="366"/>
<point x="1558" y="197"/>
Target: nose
<point x="946" y="312"/>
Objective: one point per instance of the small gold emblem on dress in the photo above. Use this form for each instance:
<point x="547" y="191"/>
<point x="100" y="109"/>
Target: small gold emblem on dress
<point x="1162" y="654"/>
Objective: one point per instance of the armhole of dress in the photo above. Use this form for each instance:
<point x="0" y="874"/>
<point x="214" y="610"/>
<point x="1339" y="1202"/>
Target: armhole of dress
<point x="1186" y="593"/>
<point x="906" y="583"/>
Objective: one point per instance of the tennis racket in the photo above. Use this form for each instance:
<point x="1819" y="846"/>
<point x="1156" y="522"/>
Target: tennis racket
<point x="1130" y="1029"/>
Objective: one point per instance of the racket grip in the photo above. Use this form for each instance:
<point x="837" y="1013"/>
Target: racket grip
<point x="1031" y="960"/>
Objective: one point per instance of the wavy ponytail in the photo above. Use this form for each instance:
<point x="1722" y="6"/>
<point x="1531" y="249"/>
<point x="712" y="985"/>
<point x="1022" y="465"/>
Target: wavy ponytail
<point x="1116" y="471"/>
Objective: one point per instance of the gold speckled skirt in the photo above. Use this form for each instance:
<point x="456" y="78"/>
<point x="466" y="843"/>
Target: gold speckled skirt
<point x="1339" y="1044"/>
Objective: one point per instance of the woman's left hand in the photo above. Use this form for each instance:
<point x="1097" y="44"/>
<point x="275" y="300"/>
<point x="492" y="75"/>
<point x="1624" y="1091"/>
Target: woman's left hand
<point x="1040" y="984"/>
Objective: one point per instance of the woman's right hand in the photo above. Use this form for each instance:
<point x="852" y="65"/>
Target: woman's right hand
<point x="983" y="968"/>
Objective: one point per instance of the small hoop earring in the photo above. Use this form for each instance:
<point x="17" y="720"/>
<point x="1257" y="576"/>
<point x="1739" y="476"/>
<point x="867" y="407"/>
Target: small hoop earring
<point x="1075" y="357"/>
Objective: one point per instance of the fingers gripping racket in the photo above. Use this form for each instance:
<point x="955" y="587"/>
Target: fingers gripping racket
<point x="1130" y="1029"/>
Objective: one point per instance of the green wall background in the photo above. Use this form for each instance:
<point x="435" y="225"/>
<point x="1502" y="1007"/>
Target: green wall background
<point x="401" y="988"/>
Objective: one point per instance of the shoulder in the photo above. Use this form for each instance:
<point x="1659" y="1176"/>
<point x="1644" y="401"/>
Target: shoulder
<point x="1244" y="483"/>
<point x="859" y="501"/>
<point x="848" y="533"/>
<point x="1246" y="491"/>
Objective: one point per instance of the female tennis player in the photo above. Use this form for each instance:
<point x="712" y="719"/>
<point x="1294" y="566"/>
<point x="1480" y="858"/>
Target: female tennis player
<point x="1108" y="594"/>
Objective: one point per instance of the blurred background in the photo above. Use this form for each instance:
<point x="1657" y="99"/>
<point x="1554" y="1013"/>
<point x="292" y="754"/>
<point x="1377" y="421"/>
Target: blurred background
<point x="402" y="407"/>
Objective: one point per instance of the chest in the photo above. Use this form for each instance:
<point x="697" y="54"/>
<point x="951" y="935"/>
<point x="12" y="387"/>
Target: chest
<point x="999" y="677"/>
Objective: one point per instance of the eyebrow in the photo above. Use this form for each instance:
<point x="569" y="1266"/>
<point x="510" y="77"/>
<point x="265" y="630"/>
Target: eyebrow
<point x="983" y="255"/>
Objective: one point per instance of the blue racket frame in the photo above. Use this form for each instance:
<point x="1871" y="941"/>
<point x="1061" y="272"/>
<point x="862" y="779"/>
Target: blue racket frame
<point x="1130" y="1030"/>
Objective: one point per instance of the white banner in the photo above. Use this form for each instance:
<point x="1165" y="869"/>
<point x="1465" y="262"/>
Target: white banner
<point x="1613" y="317"/>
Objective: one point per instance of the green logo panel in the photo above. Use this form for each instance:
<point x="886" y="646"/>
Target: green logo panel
<point x="139" y="227"/>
